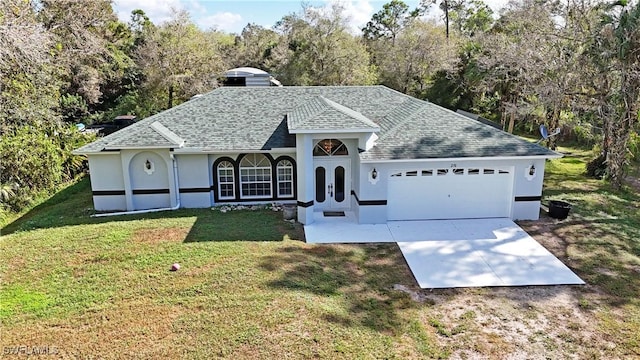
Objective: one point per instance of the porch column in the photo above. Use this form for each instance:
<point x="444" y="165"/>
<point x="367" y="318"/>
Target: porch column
<point x="306" y="191"/>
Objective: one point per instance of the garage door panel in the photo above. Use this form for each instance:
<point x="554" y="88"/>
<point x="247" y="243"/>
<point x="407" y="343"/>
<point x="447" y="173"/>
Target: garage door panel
<point x="468" y="193"/>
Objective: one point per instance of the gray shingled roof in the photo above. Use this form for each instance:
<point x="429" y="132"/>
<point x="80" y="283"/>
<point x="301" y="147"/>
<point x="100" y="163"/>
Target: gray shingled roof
<point x="254" y="118"/>
<point x="434" y="132"/>
<point x="321" y="114"/>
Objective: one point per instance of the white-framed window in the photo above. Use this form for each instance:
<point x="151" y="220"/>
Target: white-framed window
<point x="226" y="188"/>
<point x="285" y="178"/>
<point x="255" y="177"/>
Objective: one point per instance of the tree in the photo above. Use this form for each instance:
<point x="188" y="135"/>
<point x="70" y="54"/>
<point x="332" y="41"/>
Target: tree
<point x="29" y="85"/>
<point x="419" y="51"/>
<point x="84" y="32"/>
<point x="618" y="40"/>
<point x="388" y="22"/>
<point x="178" y="60"/>
<point x="254" y="47"/>
<point x="470" y="17"/>
<point x="317" y="49"/>
<point x="512" y="59"/>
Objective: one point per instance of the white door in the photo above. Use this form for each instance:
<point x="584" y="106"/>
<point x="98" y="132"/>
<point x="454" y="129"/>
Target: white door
<point x="450" y="193"/>
<point x="332" y="184"/>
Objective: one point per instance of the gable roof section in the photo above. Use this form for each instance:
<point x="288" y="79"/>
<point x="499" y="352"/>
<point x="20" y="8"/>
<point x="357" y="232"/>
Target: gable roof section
<point x="160" y="137"/>
<point x="257" y="119"/>
<point x="320" y="114"/>
<point x="435" y="132"/>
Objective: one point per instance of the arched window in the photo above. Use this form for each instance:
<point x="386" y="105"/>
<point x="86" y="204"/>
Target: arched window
<point x="285" y="178"/>
<point x="330" y="147"/>
<point x="255" y="177"/>
<point x="226" y="189"/>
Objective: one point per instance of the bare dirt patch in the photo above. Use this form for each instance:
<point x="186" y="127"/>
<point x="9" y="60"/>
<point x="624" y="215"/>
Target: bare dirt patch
<point x="155" y="235"/>
<point x="513" y="323"/>
<point x="532" y="322"/>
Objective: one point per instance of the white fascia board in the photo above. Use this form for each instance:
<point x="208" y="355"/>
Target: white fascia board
<point x="488" y="158"/>
<point x="75" y="152"/>
<point x="139" y="147"/>
<point x="339" y="131"/>
<point x="234" y="151"/>
<point x="103" y="153"/>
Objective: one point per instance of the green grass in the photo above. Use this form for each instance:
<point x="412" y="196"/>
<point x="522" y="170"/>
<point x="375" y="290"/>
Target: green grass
<point x="602" y="240"/>
<point x="605" y="225"/>
<point x="250" y="288"/>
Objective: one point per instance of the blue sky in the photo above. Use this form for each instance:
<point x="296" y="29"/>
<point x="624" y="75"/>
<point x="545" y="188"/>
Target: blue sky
<point x="232" y="16"/>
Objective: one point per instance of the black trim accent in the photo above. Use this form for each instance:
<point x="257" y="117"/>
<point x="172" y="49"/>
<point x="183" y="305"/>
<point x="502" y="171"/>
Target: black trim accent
<point x="274" y="171"/>
<point x="333" y="213"/>
<point x="108" y="192"/>
<point x="528" y="198"/>
<point x="372" y="202"/>
<point x="238" y="185"/>
<point x="368" y="202"/>
<point x="305" y="204"/>
<point x="214" y="177"/>
<point x="195" y="190"/>
<point x="150" y="191"/>
<point x="236" y="179"/>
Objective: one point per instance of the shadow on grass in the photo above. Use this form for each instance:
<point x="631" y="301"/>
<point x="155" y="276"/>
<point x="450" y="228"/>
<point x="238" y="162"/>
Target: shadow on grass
<point x="72" y="206"/>
<point x="601" y="251"/>
<point x="361" y="276"/>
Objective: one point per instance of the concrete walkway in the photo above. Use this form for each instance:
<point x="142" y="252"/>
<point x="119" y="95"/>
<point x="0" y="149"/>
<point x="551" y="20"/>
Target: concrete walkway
<point x="454" y="253"/>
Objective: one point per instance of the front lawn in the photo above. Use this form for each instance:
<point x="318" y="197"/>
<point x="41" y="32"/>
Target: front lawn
<point x="250" y="288"/>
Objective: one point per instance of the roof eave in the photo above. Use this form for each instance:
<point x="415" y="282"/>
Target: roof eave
<point x="333" y="131"/>
<point x="476" y="158"/>
<point x="201" y="150"/>
<point x="140" y="147"/>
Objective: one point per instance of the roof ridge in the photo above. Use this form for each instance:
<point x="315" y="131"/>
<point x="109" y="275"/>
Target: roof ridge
<point x="292" y="120"/>
<point x="349" y="112"/>
<point x="392" y="130"/>
<point x="166" y="133"/>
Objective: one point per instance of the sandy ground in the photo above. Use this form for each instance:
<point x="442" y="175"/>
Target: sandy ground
<point x="531" y="322"/>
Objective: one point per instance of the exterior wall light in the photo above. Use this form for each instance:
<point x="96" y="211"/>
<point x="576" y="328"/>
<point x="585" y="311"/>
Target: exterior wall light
<point x="148" y="167"/>
<point x="373" y="176"/>
<point x="530" y="172"/>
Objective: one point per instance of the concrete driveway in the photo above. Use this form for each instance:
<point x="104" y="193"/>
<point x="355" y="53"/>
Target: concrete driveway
<point x="455" y="253"/>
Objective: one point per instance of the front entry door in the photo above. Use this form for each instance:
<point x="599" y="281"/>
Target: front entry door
<point x="333" y="184"/>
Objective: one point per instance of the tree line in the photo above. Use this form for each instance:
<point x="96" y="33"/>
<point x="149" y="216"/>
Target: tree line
<point x="573" y="65"/>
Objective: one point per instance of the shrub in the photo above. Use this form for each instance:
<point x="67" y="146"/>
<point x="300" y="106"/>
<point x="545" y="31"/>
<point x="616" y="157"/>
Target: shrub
<point x="36" y="160"/>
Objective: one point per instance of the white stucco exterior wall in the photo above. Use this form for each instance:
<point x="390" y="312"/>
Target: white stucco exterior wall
<point x="152" y="189"/>
<point x="525" y="191"/>
<point x="107" y="178"/>
<point x="528" y="190"/>
<point x="305" y="177"/>
<point x="120" y="181"/>
<point x="194" y="180"/>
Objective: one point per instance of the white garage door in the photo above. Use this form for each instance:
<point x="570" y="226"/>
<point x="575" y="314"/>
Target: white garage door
<point x="457" y="193"/>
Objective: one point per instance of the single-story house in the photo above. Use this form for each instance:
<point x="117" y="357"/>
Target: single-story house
<point x="369" y="150"/>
